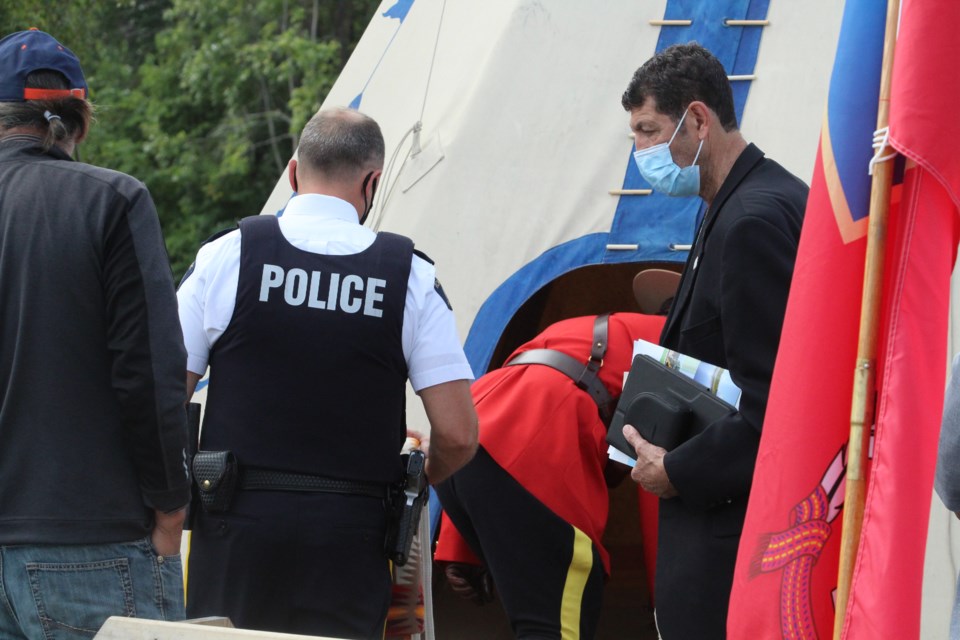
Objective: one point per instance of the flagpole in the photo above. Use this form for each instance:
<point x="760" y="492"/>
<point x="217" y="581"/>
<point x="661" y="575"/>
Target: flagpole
<point x="862" y="410"/>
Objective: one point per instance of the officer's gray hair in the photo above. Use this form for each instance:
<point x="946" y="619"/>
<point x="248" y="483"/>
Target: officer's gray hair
<point x="341" y="142"/>
<point x="61" y="118"/>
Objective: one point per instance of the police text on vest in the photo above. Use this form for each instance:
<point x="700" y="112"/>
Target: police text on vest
<point x="351" y="292"/>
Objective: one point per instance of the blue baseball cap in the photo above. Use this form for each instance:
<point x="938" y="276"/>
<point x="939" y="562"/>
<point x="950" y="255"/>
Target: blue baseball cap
<point x="24" y="52"/>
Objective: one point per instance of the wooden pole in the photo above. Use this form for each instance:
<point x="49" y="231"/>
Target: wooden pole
<point x="729" y="22"/>
<point x="864" y="381"/>
<point x="671" y="23"/>
<point x="630" y="192"/>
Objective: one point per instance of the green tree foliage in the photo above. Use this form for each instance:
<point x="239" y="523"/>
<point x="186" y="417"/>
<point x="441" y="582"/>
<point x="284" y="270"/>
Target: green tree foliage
<point x="200" y="99"/>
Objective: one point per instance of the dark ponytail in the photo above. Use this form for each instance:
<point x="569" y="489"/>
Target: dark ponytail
<point x="61" y="118"/>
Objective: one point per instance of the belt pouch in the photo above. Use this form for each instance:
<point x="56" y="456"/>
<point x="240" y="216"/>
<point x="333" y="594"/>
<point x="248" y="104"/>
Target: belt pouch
<point x="215" y="473"/>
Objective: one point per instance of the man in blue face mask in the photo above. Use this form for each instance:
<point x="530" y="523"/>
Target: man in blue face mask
<point x="728" y="311"/>
<point x="656" y="163"/>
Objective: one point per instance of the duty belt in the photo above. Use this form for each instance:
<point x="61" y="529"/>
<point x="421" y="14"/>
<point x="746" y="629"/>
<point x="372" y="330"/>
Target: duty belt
<point x="270" y="480"/>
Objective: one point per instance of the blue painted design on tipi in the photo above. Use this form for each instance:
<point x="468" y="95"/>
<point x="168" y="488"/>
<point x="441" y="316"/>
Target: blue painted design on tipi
<point x="399" y="10"/>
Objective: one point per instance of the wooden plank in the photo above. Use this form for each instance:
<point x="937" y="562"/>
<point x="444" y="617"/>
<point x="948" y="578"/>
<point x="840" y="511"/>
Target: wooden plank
<point x="671" y="23"/>
<point x="119" y="628"/>
<point x="730" y="22"/>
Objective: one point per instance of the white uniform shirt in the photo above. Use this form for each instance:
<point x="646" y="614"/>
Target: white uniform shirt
<point x="325" y="225"/>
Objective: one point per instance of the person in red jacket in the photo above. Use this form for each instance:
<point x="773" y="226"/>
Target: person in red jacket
<point x="532" y="505"/>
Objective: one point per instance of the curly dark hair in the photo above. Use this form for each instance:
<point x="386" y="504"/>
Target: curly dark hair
<point x="677" y="76"/>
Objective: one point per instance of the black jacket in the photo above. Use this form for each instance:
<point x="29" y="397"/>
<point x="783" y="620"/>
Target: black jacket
<point x="729" y="312"/>
<point x="92" y="363"/>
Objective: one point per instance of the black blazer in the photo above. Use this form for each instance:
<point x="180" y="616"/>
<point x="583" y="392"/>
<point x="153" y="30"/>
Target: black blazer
<point x="728" y="312"/>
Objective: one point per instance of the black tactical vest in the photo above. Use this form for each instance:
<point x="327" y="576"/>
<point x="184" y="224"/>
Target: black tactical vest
<point x="309" y="375"/>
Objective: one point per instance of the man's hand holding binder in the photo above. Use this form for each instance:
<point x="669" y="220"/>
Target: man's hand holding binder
<point x="649" y="471"/>
<point x="659" y="410"/>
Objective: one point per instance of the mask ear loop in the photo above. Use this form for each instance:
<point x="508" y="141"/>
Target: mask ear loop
<point x="679" y="124"/>
<point x="366" y="205"/>
<point x="677" y="130"/>
<point x="698" y="154"/>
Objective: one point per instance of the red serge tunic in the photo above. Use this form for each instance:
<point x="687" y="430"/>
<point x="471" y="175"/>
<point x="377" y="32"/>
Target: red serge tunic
<point x="546" y="433"/>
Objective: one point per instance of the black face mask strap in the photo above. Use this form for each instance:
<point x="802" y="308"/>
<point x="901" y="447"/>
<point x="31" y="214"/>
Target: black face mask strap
<point x="368" y="206"/>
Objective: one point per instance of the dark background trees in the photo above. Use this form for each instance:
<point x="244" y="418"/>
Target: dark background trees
<point x="200" y="99"/>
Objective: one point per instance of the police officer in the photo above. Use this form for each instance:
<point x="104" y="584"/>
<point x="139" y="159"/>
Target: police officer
<point x="311" y="325"/>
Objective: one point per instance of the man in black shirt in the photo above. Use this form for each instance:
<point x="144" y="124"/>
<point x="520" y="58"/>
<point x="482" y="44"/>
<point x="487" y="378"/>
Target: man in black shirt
<point x="93" y="474"/>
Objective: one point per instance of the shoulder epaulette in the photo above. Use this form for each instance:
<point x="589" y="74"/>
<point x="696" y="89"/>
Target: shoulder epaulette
<point x="436" y="283"/>
<point x="220" y="234"/>
<point x="421" y="254"/>
<point x="216" y="235"/>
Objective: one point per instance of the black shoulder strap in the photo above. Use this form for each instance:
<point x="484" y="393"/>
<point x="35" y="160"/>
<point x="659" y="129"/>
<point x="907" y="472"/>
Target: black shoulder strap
<point x="585" y="376"/>
<point x="397" y="242"/>
<point x="402" y="247"/>
<point x="253" y="228"/>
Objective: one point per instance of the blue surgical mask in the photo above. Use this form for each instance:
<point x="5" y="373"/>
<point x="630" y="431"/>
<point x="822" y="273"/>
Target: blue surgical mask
<point x="657" y="167"/>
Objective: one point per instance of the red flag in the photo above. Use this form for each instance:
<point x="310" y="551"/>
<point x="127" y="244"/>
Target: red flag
<point x="887" y="581"/>
<point x="786" y="575"/>
<point x="786" y="570"/>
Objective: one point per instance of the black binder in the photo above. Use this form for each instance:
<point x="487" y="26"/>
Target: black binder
<point x="665" y="406"/>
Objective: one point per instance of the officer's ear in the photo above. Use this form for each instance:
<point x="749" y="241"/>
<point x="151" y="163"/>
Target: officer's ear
<point x="292" y="173"/>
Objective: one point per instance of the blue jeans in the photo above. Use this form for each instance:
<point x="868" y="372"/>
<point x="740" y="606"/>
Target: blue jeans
<point x="53" y="592"/>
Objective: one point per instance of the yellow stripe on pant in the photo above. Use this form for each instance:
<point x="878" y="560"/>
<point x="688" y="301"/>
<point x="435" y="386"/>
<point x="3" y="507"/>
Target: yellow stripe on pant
<point x="580" y="566"/>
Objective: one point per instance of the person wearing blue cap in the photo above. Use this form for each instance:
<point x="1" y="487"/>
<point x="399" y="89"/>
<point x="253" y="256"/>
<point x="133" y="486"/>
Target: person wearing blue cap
<point x="93" y="475"/>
